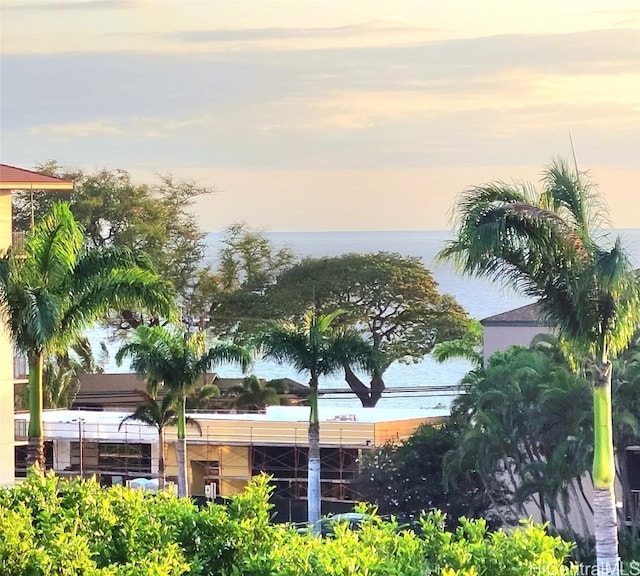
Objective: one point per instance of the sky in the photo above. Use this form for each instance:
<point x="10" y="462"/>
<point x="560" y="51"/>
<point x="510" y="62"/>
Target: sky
<point x="322" y="114"/>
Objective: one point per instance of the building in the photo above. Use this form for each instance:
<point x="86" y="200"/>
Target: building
<point x="519" y="327"/>
<point x="12" y="178"/>
<point x="224" y="450"/>
<point x="121" y="391"/>
<point x="516" y="327"/>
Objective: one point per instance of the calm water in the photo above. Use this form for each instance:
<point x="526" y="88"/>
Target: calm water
<point x="479" y="297"/>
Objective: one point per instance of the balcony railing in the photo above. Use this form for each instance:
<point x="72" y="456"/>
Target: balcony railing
<point x="20" y="367"/>
<point x="18" y="240"/>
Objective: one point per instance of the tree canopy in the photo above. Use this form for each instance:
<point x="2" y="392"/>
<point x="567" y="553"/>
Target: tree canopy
<point x="391" y="299"/>
<point x="408" y="478"/>
<point x="115" y="211"/>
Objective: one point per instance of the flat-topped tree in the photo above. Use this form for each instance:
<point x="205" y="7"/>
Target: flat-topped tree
<point x="391" y="299"/>
<point x="546" y="245"/>
<point x="57" y="287"/>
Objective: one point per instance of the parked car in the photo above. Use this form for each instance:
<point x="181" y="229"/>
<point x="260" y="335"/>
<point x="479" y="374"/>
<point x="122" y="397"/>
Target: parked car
<point x="327" y="524"/>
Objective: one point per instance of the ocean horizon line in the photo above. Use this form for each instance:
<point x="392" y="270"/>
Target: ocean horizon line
<point x="389" y="231"/>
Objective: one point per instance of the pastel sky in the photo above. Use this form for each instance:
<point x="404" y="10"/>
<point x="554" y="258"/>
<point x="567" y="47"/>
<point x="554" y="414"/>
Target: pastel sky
<point x="327" y="115"/>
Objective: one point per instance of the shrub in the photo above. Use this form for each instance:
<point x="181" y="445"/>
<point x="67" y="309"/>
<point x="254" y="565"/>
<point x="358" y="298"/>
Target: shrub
<point x="50" y="526"/>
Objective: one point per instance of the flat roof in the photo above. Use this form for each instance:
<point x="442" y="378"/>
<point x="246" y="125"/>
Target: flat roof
<point x="271" y="414"/>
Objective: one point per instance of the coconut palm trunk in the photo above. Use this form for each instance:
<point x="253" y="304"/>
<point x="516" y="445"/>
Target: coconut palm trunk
<point x="162" y="458"/>
<point x="35" y="448"/>
<point x="181" y="451"/>
<point x="604" y="471"/>
<point x="314" y="497"/>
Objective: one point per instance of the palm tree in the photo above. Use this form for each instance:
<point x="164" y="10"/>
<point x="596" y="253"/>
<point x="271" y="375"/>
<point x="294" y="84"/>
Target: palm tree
<point x="254" y="394"/>
<point x="469" y="347"/>
<point x="56" y="288"/>
<point x="546" y="245"/>
<point x="178" y="360"/>
<point x="159" y="414"/>
<point x="61" y="372"/>
<point x="319" y="349"/>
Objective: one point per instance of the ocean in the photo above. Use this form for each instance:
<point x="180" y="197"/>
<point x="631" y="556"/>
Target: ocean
<point x="480" y="298"/>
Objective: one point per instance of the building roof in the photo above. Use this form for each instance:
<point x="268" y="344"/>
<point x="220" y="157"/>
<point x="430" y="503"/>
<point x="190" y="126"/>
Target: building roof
<point x="275" y="426"/>
<point x="113" y="391"/>
<point x="529" y="315"/>
<point x="271" y="414"/>
<point x="14" y="178"/>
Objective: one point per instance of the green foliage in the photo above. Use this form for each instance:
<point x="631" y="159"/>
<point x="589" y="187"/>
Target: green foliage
<point x="527" y="425"/>
<point x="254" y="394"/>
<point x="468" y="347"/>
<point x="391" y="299"/>
<point x="249" y="264"/>
<point x="471" y="550"/>
<point x="56" y="527"/>
<point x="550" y="246"/>
<point x="57" y="288"/>
<point x="115" y="211"/>
<point x="408" y="478"/>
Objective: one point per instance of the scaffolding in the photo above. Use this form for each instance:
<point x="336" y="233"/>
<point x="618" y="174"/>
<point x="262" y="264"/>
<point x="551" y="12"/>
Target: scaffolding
<point x="225" y="456"/>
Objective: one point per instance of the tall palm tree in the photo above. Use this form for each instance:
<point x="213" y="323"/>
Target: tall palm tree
<point x="546" y="245"/>
<point x="56" y="288"/>
<point x="178" y="360"/>
<point x="319" y="349"/>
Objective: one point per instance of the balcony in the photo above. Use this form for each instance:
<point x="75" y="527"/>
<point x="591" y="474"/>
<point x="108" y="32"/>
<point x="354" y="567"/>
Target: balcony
<point x="20" y="368"/>
<point x="18" y="240"/>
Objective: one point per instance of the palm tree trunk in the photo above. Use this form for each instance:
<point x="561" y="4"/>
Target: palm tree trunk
<point x="35" y="450"/>
<point x="161" y="459"/>
<point x="181" y="451"/>
<point x="604" y="508"/>
<point x="313" y="487"/>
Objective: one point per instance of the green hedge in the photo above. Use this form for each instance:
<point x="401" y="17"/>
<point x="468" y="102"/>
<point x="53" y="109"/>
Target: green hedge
<point x="50" y="526"/>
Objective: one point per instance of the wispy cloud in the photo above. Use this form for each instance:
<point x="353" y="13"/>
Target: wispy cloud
<point x="74" y="130"/>
<point x="63" y="5"/>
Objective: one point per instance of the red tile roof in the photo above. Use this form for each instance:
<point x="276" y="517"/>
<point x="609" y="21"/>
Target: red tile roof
<point x="13" y="178"/>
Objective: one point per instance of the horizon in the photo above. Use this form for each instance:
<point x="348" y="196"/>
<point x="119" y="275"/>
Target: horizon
<point x="327" y="115"/>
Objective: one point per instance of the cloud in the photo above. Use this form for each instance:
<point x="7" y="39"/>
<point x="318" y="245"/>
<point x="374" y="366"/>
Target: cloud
<point x="62" y="5"/>
<point x="75" y="130"/>
<point x="432" y="103"/>
<point x="242" y="34"/>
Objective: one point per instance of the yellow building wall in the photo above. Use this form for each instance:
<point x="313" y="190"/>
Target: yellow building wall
<point x="227" y="444"/>
<point x="233" y="465"/>
<point x="400" y="430"/>
<point x="7" y="462"/>
<point x="234" y="469"/>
